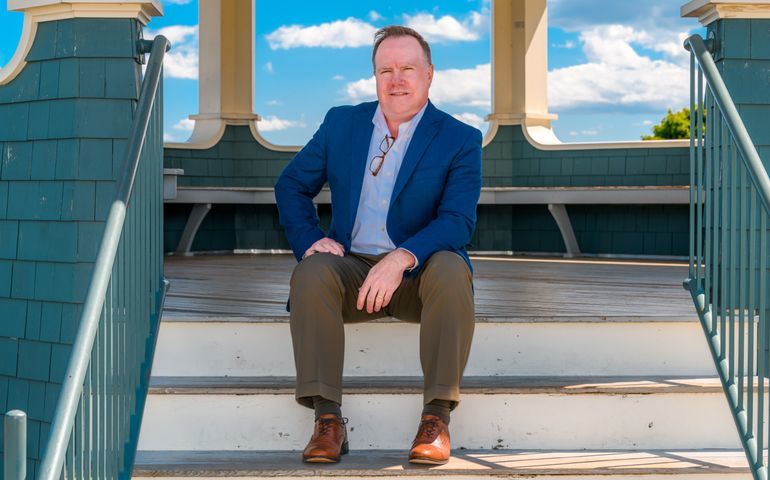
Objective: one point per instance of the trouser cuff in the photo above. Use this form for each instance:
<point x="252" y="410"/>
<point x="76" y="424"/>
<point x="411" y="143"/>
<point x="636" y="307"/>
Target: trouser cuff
<point x="306" y="391"/>
<point x="442" y="392"/>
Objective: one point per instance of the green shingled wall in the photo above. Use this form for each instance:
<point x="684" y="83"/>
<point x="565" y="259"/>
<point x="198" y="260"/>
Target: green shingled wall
<point x="63" y="124"/>
<point x="238" y="160"/>
<point x="743" y="59"/>
<point x="509" y="160"/>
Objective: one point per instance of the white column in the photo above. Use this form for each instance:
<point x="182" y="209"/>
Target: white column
<point x="520" y="63"/>
<point x="226" y="68"/>
<point x="226" y="52"/>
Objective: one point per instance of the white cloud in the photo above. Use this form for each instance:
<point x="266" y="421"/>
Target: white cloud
<point x="647" y="122"/>
<point x="350" y="32"/>
<point x="274" y="102"/>
<point x="569" y="44"/>
<point x="273" y="124"/>
<point x="361" y="90"/>
<point x="586" y="14"/>
<point x="589" y="132"/>
<point x="185" y="125"/>
<point x="465" y="87"/>
<point x="374" y="16"/>
<point x="176" y="34"/>
<point x="468" y="87"/>
<point x="167" y="137"/>
<point x="177" y="2"/>
<point x="617" y="76"/>
<point x="269" y="67"/>
<point x="446" y="28"/>
<point x="658" y="24"/>
<point x="471" y="119"/>
<point x="182" y="60"/>
<point x="338" y="77"/>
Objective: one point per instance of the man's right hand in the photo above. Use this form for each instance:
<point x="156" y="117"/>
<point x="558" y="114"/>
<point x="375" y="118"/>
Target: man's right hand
<point x="326" y="245"/>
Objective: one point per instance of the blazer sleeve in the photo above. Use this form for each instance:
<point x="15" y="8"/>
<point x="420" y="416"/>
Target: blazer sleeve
<point x="455" y="221"/>
<point x="296" y="188"/>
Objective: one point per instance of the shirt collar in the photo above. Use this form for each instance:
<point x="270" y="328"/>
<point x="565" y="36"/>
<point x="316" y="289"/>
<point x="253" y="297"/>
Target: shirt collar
<point x="379" y="121"/>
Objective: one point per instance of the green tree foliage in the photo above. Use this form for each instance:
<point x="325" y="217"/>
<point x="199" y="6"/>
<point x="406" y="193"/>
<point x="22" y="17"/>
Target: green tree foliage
<point x="673" y="126"/>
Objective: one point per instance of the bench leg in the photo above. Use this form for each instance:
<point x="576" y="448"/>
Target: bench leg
<point x="559" y="213"/>
<point x="198" y="213"/>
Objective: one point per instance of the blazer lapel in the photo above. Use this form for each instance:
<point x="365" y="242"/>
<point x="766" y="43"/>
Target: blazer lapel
<point x="422" y="137"/>
<point x="362" y="135"/>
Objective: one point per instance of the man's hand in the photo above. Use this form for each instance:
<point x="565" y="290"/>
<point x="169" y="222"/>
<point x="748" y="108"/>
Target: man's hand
<point x="326" y="245"/>
<point x="383" y="280"/>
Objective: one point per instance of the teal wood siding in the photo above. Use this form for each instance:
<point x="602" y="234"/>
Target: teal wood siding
<point x="238" y="160"/>
<point x="63" y="124"/>
<point x="509" y="160"/>
<point x="743" y="59"/>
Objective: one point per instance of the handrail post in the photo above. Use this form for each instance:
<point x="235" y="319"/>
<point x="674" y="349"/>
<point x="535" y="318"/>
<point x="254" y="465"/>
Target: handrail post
<point x="15" y="438"/>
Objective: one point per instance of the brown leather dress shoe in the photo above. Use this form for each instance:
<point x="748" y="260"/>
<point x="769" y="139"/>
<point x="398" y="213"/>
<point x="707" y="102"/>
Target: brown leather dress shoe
<point x="431" y="445"/>
<point x="329" y="440"/>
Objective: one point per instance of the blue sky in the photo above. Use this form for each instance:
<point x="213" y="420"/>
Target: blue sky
<point x="614" y="66"/>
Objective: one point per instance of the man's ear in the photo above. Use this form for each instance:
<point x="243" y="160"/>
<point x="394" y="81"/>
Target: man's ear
<point x="430" y="74"/>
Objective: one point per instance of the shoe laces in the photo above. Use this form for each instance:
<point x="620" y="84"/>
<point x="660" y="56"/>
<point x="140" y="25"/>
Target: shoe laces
<point x="324" y="424"/>
<point x="430" y="427"/>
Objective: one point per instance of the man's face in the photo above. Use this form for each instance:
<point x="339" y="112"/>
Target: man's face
<point x="403" y="77"/>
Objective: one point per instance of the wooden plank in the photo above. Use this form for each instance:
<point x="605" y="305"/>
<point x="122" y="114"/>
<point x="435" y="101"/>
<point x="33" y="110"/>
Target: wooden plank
<point x="257" y="286"/>
<point x="504" y="463"/>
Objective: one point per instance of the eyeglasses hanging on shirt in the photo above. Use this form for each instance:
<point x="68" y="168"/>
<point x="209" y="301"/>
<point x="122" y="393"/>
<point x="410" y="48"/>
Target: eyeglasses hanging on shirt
<point x="376" y="164"/>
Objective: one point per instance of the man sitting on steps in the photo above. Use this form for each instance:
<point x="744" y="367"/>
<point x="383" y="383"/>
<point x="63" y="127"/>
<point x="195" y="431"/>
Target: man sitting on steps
<point x="405" y="179"/>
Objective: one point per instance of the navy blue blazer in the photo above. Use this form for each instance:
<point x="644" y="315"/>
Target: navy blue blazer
<point x="433" y="206"/>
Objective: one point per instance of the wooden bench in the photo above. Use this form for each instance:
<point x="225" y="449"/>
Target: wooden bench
<point x="556" y="198"/>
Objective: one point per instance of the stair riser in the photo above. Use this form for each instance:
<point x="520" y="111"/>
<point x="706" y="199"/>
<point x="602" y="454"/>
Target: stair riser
<point x="264" y="349"/>
<point x="382" y="421"/>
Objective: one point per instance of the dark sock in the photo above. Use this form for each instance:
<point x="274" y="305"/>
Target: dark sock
<point x="323" y="406"/>
<point x="439" y="408"/>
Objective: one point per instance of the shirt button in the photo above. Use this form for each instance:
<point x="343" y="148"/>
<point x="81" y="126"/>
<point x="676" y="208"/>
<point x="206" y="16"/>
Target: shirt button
<point x="384" y="202"/>
<point x="382" y="229"/>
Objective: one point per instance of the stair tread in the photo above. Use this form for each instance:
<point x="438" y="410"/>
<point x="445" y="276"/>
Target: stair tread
<point x="169" y="316"/>
<point x="463" y="462"/>
<point x="621" y="385"/>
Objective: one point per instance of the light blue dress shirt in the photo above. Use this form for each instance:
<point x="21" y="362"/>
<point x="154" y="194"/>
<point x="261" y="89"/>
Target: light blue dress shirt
<point x="370" y="233"/>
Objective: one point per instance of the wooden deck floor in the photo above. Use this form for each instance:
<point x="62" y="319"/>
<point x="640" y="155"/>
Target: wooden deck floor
<point x="514" y="289"/>
<point x="464" y="463"/>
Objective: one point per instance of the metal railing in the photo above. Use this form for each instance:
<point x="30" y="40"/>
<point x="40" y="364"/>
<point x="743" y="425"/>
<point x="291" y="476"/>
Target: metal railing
<point x="729" y="258"/>
<point x="95" y="429"/>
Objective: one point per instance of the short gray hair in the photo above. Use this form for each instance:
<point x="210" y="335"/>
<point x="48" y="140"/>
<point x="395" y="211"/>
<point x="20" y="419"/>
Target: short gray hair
<point x="400" y="31"/>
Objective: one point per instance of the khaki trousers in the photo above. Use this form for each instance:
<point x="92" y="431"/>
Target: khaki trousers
<point x="324" y="291"/>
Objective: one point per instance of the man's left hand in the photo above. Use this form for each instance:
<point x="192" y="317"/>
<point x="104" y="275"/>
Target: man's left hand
<point x="383" y="280"/>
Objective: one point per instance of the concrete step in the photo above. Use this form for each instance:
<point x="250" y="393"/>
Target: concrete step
<point x="559" y="345"/>
<point x="496" y="413"/>
<point x="564" y="465"/>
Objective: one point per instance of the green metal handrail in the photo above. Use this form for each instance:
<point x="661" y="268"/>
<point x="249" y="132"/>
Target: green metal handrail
<point x="729" y="259"/>
<point x="95" y="428"/>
